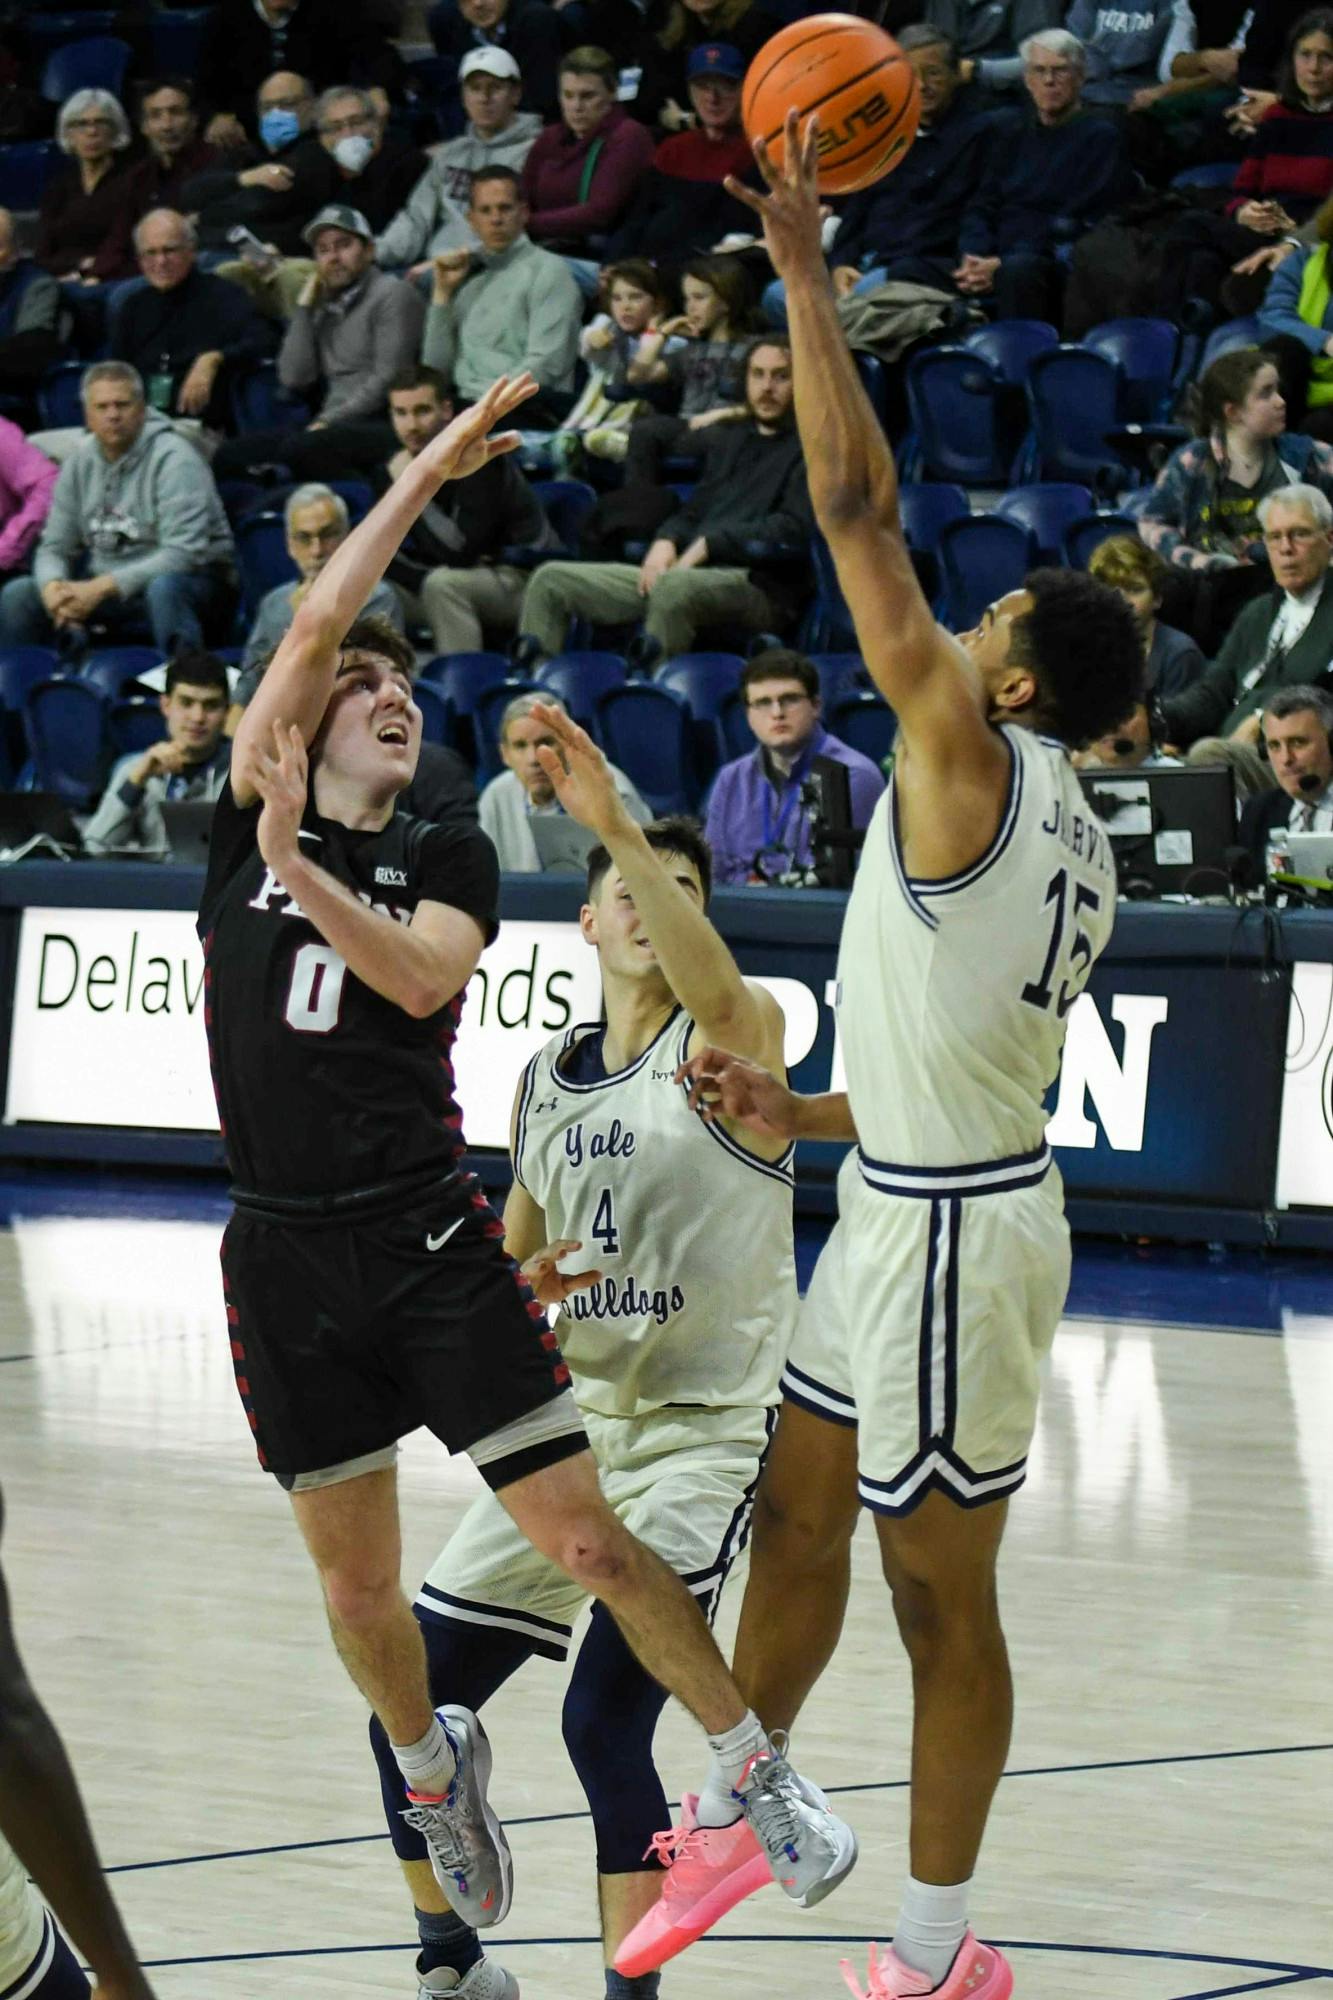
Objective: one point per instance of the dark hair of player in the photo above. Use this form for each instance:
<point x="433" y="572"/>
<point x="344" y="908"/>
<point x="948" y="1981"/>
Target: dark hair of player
<point x="375" y="634"/>
<point x="674" y="833"/>
<point x="1083" y="648"/>
<point x="197" y="669"/>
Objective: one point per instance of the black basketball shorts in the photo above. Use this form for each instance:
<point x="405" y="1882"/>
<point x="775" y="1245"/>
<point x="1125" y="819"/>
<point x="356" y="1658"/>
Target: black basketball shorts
<point x="347" y="1333"/>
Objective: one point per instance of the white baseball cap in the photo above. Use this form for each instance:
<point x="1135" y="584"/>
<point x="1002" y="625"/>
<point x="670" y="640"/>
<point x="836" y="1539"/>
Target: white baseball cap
<point x="491" y="62"/>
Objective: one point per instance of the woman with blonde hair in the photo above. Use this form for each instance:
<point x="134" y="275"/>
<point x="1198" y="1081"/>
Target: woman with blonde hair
<point x="1296" y="321"/>
<point x="78" y="237"/>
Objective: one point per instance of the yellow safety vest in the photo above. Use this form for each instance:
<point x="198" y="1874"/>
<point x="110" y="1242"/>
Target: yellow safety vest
<point x="1312" y="306"/>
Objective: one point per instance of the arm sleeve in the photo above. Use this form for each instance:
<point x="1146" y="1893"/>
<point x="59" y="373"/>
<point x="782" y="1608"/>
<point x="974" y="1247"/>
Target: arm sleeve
<point x="33" y="478"/>
<point x="121" y="820"/>
<point x="1162" y="515"/>
<point x="298" y="357"/>
<point x="241" y="335"/>
<point x="396" y="319"/>
<point x="406" y="237"/>
<point x="728" y="864"/>
<point x="1203" y="707"/>
<point x="439" y="341"/>
<point x="627" y="156"/>
<point x="39" y="308"/>
<point x="459" y="867"/>
<point x="1182" y="37"/>
<point x="62" y="537"/>
<point x="555" y="310"/>
<point x="1278" y="313"/>
<point x="183" y="508"/>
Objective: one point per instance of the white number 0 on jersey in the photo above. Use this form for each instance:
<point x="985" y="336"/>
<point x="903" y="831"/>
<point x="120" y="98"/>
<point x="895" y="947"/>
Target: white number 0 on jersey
<point x="316" y="990"/>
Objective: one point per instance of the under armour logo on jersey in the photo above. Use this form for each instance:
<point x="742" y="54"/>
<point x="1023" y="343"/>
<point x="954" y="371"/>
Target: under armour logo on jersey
<point x="547" y="1104"/>
<point x="391" y="878"/>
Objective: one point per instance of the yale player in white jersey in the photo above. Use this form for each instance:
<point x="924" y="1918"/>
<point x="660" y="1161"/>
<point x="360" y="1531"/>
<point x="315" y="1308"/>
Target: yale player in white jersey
<point x="675" y="1345"/>
<point x="985" y="893"/>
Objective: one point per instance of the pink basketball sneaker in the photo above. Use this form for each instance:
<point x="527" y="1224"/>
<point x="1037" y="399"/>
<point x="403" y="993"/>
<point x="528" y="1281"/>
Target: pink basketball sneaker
<point x="978" y="1973"/>
<point x="709" y="1870"/>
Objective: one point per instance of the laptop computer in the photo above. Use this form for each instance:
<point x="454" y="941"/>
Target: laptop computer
<point x="1310" y="855"/>
<point x="1170" y="826"/>
<point x="562" y="845"/>
<point x="36" y="824"/>
<point x="189" y="825"/>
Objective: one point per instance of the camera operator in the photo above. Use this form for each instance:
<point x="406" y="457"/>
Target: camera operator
<point x="758" y="822"/>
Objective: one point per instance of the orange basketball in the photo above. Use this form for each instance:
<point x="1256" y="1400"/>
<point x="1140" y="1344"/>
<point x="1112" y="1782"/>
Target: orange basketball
<point x="857" y="79"/>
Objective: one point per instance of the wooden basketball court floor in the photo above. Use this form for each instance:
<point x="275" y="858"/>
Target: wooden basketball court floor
<point x="1165" y="1830"/>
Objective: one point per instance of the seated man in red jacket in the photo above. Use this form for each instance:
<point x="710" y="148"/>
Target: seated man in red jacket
<point x="582" y="173"/>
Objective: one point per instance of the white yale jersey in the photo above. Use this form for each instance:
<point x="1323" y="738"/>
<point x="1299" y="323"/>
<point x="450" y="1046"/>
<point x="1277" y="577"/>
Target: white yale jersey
<point x="954" y="995"/>
<point x="692" y="1235"/>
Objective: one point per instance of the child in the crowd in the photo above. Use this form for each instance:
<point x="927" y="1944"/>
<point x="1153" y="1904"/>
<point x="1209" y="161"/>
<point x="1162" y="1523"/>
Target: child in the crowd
<point x="609" y="344"/>
<point x="708" y="368"/>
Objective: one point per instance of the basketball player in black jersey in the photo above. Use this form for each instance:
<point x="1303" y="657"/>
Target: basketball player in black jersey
<point x="367" y="1289"/>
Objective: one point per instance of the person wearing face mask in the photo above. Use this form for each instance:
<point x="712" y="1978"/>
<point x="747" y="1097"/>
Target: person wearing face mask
<point x="357" y="167"/>
<point x="326" y="40"/>
<point x="273" y="189"/>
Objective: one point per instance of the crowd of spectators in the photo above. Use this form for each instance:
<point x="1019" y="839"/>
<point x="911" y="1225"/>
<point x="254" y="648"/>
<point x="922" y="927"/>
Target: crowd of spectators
<point x="278" y="274"/>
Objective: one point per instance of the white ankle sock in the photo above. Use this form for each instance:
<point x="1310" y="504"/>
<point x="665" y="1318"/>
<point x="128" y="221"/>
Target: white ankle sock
<point x="428" y="1765"/>
<point x="931" y="1926"/>
<point x="718" y="1804"/>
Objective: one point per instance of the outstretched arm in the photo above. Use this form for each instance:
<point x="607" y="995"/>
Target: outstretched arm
<point x="296" y="687"/>
<point x="922" y="672"/>
<point x="42" y="1818"/>
<point x="695" y="961"/>
<point x="725" y="1085"/>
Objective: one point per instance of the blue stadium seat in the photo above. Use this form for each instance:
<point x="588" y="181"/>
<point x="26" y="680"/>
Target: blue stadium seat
<point x="580" y="680"/>
<point x="1009" y="345"/>
<point x="955" y="409"/>
<point x="567" y="504"/>
<point x="737" y="737"/>
<point x="59" y="403"/>
<point x="981" y="559"/>
<point x="1074" y="397"/>
<point x="1210" y="174"/>
<point x="110" y="667"/>
<point x="1045" y="510"/>
<point x="436" y="714"/>
<point x="827" y="627"/>
<point x="134" y="726"/>
<point x="64" y="722"/>
<point x="26" y="170"/>
<point x="864" y="721"/>
<point x="646" y="731"/>
<point x="46" y="31"/>
<point x="262" y="558"/>
<point x="837" y="671"/>
<point x="489" y="707"/>
<point x="260" y="403"/>
<point x="705" y="680"/>
<point x="1146" y="351"/>
<point x="21" y="667"/>
<point x="1232" y="333"/>
<point x="1087" y="533"/>
<point x="175" y="36"/>
<point x="98" y="62"/>
<point x="463" y="678"/>
<point x="925" y="506"/>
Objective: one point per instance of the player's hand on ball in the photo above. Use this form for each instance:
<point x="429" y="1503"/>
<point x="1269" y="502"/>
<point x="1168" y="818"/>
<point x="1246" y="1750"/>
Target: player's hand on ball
<point x="281" y="780"/>
<point x="790" y="211"/>
<point x="579" y="772"/>
<point x="551" y="1287"/>
<point x="723" y="1085"/>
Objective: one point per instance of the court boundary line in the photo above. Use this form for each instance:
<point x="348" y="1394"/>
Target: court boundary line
<point x="1288" y="1975"/>
<point x="868" y="1785"/>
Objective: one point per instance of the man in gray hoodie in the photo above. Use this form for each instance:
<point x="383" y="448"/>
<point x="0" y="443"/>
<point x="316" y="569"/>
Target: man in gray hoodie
<point x="498" y="134"/>
<point x="136" y="539"/>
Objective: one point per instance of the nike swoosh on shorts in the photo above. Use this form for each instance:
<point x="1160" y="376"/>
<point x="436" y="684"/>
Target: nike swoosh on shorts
<point x="438" y="1242"/>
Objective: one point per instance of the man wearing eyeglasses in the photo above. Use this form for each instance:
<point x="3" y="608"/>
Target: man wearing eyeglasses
<point x="1280" y="640"/>
<point x="758" y="826"/>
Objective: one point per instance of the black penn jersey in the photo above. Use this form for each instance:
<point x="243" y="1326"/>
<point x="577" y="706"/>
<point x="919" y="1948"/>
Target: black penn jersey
<point x="323" y="1085"/>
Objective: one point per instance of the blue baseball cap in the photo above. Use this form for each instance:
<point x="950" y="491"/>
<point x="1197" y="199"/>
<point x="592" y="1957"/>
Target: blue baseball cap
<point x="715" y="59"/>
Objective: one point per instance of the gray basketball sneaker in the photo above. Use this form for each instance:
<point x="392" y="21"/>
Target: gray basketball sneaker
<point x="809" y="1848"/>
<point x="484" y="1981"/>
<point x="468" y="1850"/>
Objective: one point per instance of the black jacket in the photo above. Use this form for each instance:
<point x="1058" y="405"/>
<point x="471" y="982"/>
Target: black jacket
<point x="530" y="31"/>
<point x="493" y="510"/>
<point x="753" y="489"/>
<point x="1259" y="817"/>
<point x="165" y="332"/>
<point x="1218" y="702"/>
<point x="442" y="787"/>
<point x="327" y="41"/>
<point x="916" y="210"/>
<point x="221" y="203"/>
